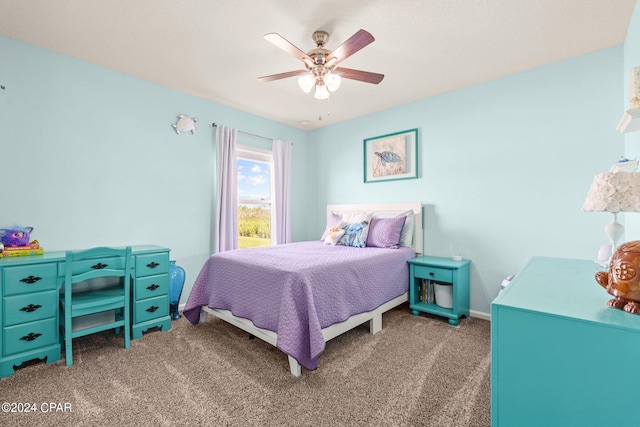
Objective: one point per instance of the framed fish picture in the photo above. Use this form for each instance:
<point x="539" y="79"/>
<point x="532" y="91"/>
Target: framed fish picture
<point x="390" y="157"/>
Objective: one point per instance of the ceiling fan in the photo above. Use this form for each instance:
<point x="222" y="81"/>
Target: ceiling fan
<point x="321" y="69"/>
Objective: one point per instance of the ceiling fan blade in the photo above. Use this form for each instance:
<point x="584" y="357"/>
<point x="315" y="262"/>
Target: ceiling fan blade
<point x="282" y="75"/>
<point x="363" y="76"/>
<point x="288" y="47"/>
<point x="356" y="42"/>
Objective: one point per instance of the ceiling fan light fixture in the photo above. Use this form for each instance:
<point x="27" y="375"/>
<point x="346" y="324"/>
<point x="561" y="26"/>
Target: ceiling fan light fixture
<point x="320" y="63"/>
<point x="321" y="91"/>
<point x="332" y="80"/>
<point x="306" y="82"/>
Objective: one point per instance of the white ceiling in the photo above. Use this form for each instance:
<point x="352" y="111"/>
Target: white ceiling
<point x="214" y="48"/>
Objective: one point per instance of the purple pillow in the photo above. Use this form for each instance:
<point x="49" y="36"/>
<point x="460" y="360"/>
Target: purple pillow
<point x="385" y="232"/>
<point x="331" y="222"/>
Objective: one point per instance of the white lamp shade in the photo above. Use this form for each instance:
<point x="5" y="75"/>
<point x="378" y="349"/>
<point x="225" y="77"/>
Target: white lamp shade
<point x="321" y="91"/>
<point x="614" y="192"/>
<point x="332" y="80"/>
<point x="306" y="82"/>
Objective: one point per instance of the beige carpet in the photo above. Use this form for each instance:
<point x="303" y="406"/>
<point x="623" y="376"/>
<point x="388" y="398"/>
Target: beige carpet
<point x="418" y="371"/>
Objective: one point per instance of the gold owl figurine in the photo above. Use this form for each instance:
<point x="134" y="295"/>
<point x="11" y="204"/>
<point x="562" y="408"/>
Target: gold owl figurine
<point x="623" y="278"/>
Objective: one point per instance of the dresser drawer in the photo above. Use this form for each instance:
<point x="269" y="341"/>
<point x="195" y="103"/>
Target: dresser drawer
<point x="434" y="273"/>
<point x="151" y="308"/>
<point x="151" y="286"/>
<point x="152" y="264"/>
<point x="29" y="336"/>
<point x="29" y="307"/>
<point x="29" y="278"/>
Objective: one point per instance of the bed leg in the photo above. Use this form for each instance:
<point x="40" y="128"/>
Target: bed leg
<point x="203" y="316"/>
<point x="375" y="324"/>
<point x="294" y="366"/>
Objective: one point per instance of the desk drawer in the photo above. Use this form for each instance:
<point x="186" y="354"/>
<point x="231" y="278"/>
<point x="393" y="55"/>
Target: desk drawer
<point x="96" y="263"/>
<point x="29" y="278"/>
<point x="434" y="273"/>
<point x="152" y="264"/>
<point x="29" y="336"/>
<point x="151" y="308"/>
<point x="151" y="286"/>
<point x="29" y="307"/>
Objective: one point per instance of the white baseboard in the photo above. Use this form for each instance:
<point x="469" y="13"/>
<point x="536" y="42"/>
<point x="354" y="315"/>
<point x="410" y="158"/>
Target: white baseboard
<point x="480" y="315"/>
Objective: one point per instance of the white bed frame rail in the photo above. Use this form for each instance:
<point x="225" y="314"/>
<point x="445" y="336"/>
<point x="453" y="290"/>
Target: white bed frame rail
<point x="374" y="317"/>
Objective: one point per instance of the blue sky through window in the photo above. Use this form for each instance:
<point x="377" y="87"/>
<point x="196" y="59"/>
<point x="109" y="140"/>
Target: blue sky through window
<point x="253" y="180"/>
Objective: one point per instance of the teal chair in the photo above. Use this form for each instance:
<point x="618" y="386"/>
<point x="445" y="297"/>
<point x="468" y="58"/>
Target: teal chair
<point x="82" y="299"/>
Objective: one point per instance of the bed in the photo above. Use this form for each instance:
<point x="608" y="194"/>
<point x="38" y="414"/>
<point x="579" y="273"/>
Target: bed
<point x="299" y="296"/>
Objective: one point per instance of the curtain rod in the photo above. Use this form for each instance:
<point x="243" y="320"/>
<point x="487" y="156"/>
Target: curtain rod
<point x="247" y="133"/>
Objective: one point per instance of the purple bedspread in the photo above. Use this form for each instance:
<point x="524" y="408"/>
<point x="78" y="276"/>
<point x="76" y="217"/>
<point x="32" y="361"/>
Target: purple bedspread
<point x="297" y="289"/>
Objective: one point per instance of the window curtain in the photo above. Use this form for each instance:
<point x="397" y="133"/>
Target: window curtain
<point x="282" y="177"/>
<point x="226" y="224"/>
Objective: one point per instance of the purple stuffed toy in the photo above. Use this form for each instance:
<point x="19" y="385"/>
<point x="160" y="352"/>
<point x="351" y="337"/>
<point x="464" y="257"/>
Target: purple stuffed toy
<point x="15" y="236"/>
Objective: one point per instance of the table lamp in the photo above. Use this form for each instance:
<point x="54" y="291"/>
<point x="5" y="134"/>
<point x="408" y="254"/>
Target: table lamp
<point x="614" y="192"/>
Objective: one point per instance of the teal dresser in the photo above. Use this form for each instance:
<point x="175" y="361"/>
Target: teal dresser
<point x="559" y="355"/>
<point x="29" y="312"/>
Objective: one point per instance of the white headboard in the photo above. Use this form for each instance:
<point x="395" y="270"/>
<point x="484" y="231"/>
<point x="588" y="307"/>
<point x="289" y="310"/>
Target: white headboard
<point x="416" y="207"/>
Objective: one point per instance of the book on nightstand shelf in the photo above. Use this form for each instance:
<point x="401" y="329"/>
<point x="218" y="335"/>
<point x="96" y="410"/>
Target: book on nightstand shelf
<point x="426" y="292"/>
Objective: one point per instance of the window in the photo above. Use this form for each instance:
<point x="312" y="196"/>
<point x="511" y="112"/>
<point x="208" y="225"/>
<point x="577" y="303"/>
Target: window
<point x="255" y="190"/>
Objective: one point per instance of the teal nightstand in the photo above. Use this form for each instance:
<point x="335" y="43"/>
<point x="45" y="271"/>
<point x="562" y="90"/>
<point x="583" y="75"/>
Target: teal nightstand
<point x="443" y="270"/>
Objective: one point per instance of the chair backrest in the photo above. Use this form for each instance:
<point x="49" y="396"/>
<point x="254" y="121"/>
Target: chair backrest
<point x="95" y="263"/>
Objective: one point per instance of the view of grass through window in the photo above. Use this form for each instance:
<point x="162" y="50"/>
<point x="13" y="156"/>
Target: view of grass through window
<point x="254" y="226"/>
<point x="254" y="203"/>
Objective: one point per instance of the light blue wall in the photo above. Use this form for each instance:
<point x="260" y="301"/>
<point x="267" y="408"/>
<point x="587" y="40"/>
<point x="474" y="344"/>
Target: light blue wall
<point x="88" y="157"/>
<point x="632" y="139"/>
<point x="504" y="165"/>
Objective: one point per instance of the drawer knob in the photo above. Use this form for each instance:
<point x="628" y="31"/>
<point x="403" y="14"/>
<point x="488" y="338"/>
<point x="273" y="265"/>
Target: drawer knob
<point x="153" y="264"/>
<point x="30" y="336"/>
<point x="31" y="279"/>
<point x="153" y="287"/>
<point x="99" y="266"/>
<point x="30" y="308"/>
<point x="431" y="273"/>
<point x="152" y="309"/>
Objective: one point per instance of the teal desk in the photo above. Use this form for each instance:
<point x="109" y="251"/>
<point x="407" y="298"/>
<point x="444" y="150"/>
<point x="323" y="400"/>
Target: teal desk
<point x="29" y="313"/>
<point x="559" y="355"/>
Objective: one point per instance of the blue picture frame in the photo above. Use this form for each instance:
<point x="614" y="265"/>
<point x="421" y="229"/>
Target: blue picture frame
<point x="391" y="157"/>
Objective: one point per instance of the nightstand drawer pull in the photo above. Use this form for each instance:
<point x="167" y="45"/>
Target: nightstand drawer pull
<point x="31" y="279"/>
<point x="153" y="264"/>
<point x="99" y="266"/>
<point x="30" y="308"/>
<point x="30" y="336"/>
<point x="152" y="309"/>
<point x="153" y="287"/>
